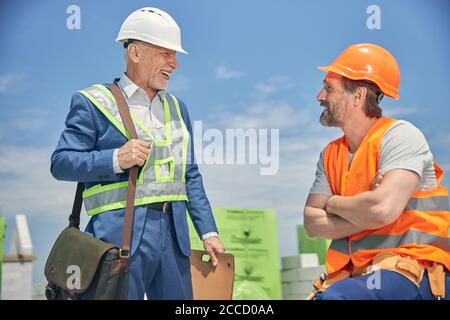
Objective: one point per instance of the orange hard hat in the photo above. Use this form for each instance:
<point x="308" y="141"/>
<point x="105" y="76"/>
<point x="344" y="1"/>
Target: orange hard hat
<point x="368" y="61"/>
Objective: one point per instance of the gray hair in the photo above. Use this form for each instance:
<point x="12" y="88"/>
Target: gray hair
<point x="125" y="57"/>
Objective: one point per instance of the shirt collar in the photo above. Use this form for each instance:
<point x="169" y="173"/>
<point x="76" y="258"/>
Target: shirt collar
<point x="130" y="88"/>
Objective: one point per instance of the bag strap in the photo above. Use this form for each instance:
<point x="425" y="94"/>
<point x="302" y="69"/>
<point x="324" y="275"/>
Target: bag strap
<point x="74" y="218"/>
<point x="129" y="210"/>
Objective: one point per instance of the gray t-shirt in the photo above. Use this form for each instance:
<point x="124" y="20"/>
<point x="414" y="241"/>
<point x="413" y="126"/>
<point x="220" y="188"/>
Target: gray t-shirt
<point x="403" y="146"/>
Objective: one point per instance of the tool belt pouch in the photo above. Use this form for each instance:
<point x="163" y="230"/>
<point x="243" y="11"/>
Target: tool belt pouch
<point x="406" y="266"/>
<point x="414" y="271"/>
<point x="84" y="268"/>
<point x="436" y="276"/>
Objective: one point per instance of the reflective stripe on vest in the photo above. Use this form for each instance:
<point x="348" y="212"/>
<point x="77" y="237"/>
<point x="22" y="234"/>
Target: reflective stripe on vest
<point x="438" y="203"/>
<point x="163" y="175"/>
<point x="421" y="231"/>
<point x="376" y="241"/>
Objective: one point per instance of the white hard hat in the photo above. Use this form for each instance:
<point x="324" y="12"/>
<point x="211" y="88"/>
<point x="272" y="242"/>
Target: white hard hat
<point x="153" y="26"/>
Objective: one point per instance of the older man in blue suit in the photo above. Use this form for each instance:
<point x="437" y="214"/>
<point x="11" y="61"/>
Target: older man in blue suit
<point x="95" y="149"/>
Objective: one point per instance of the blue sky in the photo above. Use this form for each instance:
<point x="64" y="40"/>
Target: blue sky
<point x="249" y="62"/>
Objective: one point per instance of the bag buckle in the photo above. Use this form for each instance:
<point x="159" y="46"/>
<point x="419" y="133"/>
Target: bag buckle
<point x="124" y="253"/>
<point x="167" y="206"/>
<point x="74" y="222"/>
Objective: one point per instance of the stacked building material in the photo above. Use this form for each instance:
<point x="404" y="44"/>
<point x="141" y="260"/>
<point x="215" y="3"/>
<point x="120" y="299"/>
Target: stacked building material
<point x="298" y="273"/>
<point x="17" y="269"/>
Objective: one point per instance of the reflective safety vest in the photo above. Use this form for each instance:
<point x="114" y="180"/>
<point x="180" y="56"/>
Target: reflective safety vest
<point x="162" y="178"/>
<point x="421" y="231"/>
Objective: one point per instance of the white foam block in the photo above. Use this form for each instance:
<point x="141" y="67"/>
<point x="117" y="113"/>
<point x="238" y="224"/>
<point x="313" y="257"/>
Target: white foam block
<point x="301" y="287"/>
<point x="295" y="296"/>
<point x="303" y="260"/>
<point x="302" y="274"/>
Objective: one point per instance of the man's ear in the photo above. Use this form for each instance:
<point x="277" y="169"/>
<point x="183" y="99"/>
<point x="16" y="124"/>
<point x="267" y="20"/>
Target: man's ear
<point x="133" y="52"/>
<point x="360" y="96"/>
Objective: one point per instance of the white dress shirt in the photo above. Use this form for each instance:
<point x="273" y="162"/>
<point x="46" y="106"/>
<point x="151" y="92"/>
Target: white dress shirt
<point x="150" y="113"/>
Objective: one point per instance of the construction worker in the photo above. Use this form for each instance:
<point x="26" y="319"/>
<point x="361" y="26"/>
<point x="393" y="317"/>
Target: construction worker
<point x="377" y="192"/>
<point x="94" y="149"/>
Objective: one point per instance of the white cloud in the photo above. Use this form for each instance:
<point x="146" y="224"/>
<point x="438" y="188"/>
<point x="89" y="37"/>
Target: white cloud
<point x="29" y="119"/>
<point x="29" y="123"/>
<point x="444" y="140"/>
<point x="27" y="187"/>
<point x="271" y="86"/>
<point x="179" y="83"/>
<point x="399" y="111"/>
<point x="9" y="82"/>
<point x="267" y="114"/>
<point x="265" y="88"/>
<point x="225" y="73"/>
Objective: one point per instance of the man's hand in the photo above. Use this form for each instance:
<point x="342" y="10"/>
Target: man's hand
<point x="319" y="223"/>
<point x="379" y="207"/>
<point x="213" y="245"/>
<point x="132" y="153"/>
<point x="333" y="202"/>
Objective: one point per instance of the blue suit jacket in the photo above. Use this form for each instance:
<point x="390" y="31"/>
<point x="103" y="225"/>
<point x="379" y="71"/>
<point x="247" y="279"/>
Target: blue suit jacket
<point x="84" y="153"/>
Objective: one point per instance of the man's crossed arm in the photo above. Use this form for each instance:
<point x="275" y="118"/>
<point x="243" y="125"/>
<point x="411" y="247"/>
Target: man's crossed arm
<point x="338" y="216"/>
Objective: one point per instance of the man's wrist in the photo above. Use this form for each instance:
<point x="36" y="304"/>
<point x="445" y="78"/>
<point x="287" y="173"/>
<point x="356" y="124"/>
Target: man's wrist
<point x="209" y="235"/>
<point x="332" y="205"/>
<point x="116" y="166"/>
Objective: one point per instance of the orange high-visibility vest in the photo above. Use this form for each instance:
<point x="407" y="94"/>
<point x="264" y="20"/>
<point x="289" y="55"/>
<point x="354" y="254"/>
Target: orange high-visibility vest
<point x="421" y="231"/>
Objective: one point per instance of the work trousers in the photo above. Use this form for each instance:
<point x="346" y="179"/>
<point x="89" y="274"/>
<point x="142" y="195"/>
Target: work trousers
<point x="385" y="285"/>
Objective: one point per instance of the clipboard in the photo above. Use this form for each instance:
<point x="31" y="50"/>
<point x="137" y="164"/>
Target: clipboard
<point x="209" y="283"/>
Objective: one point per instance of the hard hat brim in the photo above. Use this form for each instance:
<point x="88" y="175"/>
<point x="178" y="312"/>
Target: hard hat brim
<point x="386" y="92"/>
<point x="155" y="43"/>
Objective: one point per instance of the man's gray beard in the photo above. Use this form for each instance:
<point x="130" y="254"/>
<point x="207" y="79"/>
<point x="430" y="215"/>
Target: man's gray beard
<point x="327" y="118"/>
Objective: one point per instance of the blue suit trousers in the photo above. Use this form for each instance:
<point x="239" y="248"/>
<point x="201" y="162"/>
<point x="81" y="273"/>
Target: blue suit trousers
<point x="157" y="267"/>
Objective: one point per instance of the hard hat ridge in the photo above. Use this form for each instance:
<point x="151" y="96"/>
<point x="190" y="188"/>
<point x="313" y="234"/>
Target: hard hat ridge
<point x="151" y="25"/>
